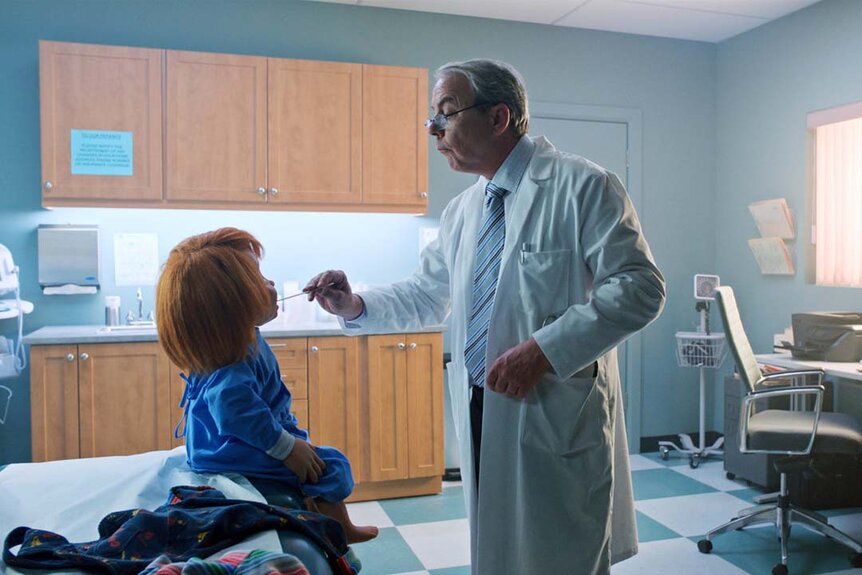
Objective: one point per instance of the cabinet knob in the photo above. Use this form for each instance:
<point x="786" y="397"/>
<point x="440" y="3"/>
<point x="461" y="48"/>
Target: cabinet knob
<point x="273" y="191"/>
<point x="49" y="185"/>
<point x="401" y="345"/>
<point x="84" y="356"/>
<point x="413" y="345"/>
<point x="261" y="191"/>
<point x="315" y="349"/>
<point x="70" y="357"/>
<point x="423" y="195"/>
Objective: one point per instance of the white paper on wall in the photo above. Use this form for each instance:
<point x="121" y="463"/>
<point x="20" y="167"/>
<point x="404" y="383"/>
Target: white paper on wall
<point x="773" y="219"/>
<point x="772" y="256"/>
<point x="136" y="259"/>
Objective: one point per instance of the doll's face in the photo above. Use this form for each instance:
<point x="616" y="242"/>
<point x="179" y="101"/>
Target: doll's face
<point x="273" y="299"/>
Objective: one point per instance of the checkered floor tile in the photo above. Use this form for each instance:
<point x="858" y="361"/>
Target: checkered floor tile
<point x="675" y="506"/>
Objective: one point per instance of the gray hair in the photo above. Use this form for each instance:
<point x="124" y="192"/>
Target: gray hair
<point x="494" y="82"/>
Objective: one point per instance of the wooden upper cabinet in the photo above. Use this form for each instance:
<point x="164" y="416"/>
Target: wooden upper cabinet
<point x="102" y="105"/>
<point x="394" y="141"/>
<point x="315" y="132"/>
<point x="215" y="128"/>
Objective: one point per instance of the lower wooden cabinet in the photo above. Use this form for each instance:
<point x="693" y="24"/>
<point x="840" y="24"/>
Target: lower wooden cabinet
<point x="99" y="399"/>
<point x="378" y="399"/>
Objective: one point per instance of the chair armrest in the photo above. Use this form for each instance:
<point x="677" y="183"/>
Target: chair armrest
<point x="787" y="391"/>
<point x="779" y="375"/>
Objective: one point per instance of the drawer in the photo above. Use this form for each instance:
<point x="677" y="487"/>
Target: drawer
<point x="300" y="410"/>
<point x="290" y="353"/>
<point x="296" y="380"/>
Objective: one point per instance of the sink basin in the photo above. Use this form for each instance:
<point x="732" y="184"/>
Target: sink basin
<point x="127" y="328"/>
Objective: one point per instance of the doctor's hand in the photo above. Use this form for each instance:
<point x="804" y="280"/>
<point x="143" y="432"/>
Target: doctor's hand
<point x="518" y="370"/>
<point x="332" y="292"/>
<point x="304" y="462"/>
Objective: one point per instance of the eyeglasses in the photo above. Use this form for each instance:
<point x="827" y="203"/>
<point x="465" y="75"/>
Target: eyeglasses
<point x="439" y="122"/>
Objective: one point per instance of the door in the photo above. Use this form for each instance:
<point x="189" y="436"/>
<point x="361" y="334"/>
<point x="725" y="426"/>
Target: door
<point x="603" y="135"/>
<point x="387" y="403"/>
<point x="394" y="141"/>
<point x="101" y="123"/>
<point x="124" y="399"/>
<point x="425" y="404"/>
<point x="54" y="402"/>
<point x="292" y="357"/>
<point x="333" y="394"/>
<point x="315" y="132"/>
<point x="215" y="128"/>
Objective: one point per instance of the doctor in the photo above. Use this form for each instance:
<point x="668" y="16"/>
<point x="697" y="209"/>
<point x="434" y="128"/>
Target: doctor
<point x="544" y="269"/>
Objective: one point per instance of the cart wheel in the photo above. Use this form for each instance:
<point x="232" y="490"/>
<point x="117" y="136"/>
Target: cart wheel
<point x="730" y="475"/>
<point x="856" y="560"/>
<point x="704" y="546"/>
<point x="694" y="461"/>
<point x="780" y="569"/>
<point x="663" y="451"/>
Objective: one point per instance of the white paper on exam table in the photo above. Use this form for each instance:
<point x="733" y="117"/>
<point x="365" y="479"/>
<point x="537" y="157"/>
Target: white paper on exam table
<point x="71" y="496"/>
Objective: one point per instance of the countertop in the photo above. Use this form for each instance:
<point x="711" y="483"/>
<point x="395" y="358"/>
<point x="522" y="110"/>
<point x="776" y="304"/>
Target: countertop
<point x="75" y="334"/>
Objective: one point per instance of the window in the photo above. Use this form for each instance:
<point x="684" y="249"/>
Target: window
<point x="837" y="231"/>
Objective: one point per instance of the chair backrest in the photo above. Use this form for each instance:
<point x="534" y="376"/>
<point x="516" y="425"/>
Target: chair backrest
<point x="743" y="355"/>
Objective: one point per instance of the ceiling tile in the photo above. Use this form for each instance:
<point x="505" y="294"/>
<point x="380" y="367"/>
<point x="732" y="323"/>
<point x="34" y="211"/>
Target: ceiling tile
<point x="536" y="11"/>
<point x="653" y="20"/>
<point x="769" y="9"/>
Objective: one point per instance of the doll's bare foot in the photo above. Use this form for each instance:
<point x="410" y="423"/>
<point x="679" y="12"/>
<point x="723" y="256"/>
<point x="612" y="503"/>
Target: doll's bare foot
<point x="338" y="511"/>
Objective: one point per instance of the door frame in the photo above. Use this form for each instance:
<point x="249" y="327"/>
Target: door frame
<point x="632" y="119"/>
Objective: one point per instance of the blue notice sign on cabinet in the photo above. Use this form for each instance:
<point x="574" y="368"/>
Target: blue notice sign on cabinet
<point x="101" y="153"/>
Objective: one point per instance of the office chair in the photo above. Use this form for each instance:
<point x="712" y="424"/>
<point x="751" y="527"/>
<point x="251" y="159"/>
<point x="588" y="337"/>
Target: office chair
<point x="799" y="435"/>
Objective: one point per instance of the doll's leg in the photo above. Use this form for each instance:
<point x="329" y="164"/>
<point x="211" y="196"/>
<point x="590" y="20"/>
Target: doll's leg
<point x="338" y="511"/>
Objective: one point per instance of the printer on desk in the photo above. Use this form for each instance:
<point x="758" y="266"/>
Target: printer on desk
<point x="827" y="336"/>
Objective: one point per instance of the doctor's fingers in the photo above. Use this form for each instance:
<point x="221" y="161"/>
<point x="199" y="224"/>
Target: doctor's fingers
<point x="327" y="282"/>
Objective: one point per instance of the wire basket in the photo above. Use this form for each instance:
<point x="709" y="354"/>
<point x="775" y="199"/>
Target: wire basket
<point x="697" y="349"/>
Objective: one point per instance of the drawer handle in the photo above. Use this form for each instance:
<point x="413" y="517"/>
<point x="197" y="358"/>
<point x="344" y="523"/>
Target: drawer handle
<point x="70" y="357"/>
<point x="85" y="356"/>
<point x="315" y="349"/>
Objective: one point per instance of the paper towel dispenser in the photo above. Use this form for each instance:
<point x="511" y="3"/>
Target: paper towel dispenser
<point x="68" y="259"/>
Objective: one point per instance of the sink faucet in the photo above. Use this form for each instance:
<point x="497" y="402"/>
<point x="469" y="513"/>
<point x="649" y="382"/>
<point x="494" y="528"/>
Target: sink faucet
<point x="140" y="297"/>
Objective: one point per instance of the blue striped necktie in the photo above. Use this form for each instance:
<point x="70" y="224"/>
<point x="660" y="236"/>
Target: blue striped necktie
<point x="489" y="248"/>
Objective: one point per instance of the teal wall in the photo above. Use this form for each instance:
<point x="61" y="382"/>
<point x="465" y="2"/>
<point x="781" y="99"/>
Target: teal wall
<point x="672" y="82"/>
<point x="767" y="81"/>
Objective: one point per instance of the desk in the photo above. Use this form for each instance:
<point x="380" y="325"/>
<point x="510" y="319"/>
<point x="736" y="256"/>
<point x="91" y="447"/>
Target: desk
<point x="850" y="370"/>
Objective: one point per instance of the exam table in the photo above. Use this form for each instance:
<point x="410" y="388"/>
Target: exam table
<point x="70" y="497"/>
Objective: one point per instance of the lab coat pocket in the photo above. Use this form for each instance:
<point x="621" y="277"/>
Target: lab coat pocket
<point x="544" y="281"/>
<point x="553" y="412"/>
<point x="456" y="376"/>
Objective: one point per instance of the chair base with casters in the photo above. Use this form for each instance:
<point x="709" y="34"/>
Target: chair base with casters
<point x="798" y="436"/>
<point x="835" y="432"/>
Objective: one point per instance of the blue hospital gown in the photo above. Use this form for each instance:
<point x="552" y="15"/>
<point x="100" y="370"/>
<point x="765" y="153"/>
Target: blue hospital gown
<point x="236" y="414"/>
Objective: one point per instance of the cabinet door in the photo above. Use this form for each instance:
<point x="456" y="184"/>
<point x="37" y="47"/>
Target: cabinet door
<point x="54" y="402"/>
<point x="215" y="128"/>
<point x="387" y="420"/>
<point x="102" y="104"/>
<point x="291" y="355"/>
<point x="394" y="141"/>
<point x="425" y="404"/>
<point x="124" y="399"/>
<point x="333" y="394"/>
<point x="315" y="141"/>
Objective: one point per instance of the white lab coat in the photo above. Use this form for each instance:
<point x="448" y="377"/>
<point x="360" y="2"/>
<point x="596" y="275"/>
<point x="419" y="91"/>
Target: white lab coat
<point x="555" y="492"/>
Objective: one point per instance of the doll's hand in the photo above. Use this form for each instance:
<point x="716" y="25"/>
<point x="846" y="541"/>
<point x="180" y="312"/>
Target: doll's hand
<point x="304" y="462"/>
